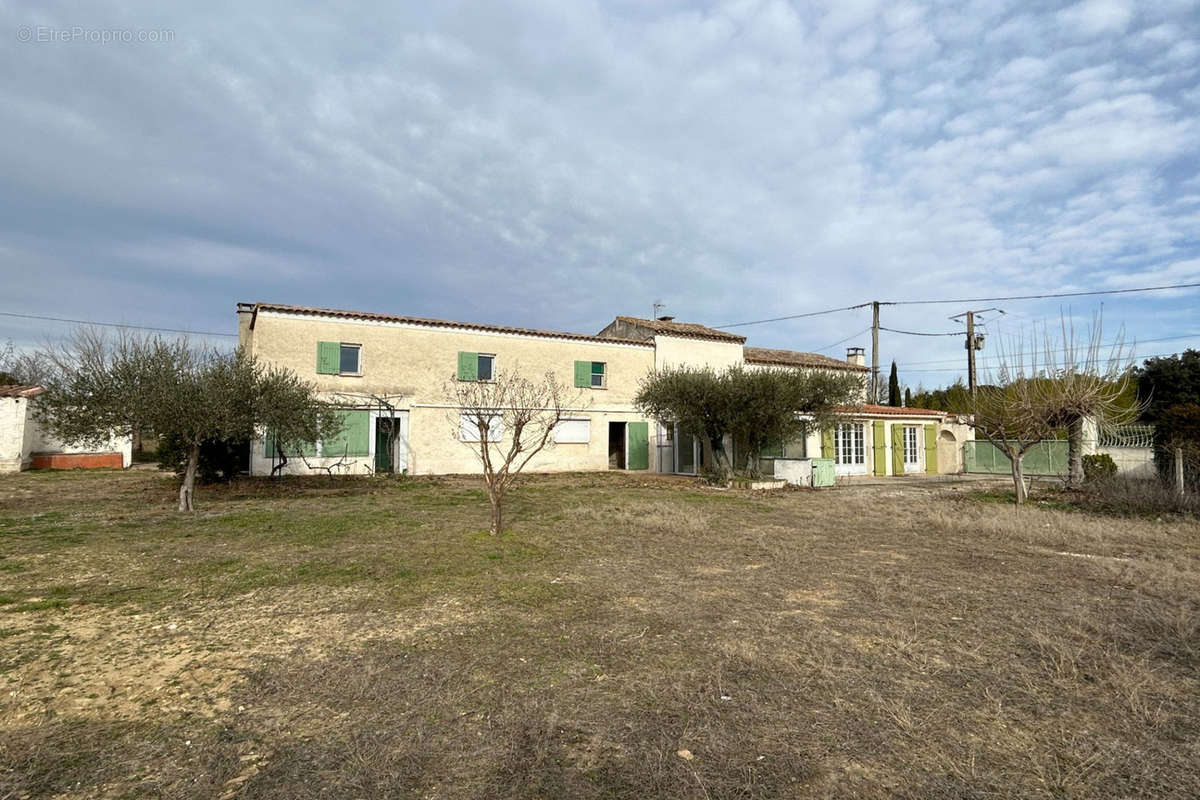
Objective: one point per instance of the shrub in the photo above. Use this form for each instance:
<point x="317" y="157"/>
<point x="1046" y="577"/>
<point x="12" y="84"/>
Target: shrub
<point x="714" y="475"/>
<point x="1098" y="467"/>
<point x="220" y="459"/>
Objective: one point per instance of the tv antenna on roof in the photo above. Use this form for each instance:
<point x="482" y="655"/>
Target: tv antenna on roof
<point x="655" y="308"/>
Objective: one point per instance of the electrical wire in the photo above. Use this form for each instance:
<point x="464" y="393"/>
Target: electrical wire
<point x="1130" y="343"/>
<point x="115" y="324"/>
<point x="966" y="300"/>
<point x="842" y="341"/>
<point x="920" y="333"/>
<point x="779" y="319"/>
<point x="1046" y="296"/>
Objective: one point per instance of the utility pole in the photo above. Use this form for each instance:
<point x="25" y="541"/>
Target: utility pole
<point x="971" y="352"/>
<point x="875" y="351"/>
<point x="973" y="342"/>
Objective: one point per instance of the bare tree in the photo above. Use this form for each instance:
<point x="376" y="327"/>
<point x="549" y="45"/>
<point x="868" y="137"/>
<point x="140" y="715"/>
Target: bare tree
<point x="1049" y="386"/>
<point x="506" y="422"/>
<point x="1081" y="384"/>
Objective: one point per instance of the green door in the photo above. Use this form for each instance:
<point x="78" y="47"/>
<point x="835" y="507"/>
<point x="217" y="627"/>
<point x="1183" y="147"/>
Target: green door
<point x="637" y="445"/>
<point x="383" y="446"/>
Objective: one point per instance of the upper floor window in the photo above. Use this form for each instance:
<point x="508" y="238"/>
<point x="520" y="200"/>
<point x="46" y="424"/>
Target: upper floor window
<point x="350" y="359"/>
<point x="591" y="374"/>
<point x="476" y="366"/>
<point x="339" y="358"/>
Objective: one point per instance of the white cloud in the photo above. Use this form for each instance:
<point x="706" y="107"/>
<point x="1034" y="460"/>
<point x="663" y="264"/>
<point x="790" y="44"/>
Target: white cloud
<point x="1095" y="17"/>
<point x="739" y="160"/>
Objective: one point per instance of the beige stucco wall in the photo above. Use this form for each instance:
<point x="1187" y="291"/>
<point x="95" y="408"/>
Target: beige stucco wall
<point x="411" y="365"/>
<point x="678" y="351"/>
<point x="415" y="362"/>
<point x="21" y="436"/>
<point x="13" y="454"/>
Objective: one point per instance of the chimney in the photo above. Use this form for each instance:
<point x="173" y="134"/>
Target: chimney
<point x="856" y="356"/>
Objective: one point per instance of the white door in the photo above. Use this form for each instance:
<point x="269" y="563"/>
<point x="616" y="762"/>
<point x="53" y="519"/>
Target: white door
<point x="912" y="449"/>
<point x="849" y="451"/>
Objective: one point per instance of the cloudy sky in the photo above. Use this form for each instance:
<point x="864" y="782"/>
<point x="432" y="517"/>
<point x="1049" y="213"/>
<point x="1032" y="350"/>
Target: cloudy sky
<point x="553" y="164"/>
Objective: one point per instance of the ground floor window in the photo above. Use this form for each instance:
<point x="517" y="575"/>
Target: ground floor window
<point x="911" y="453"/>
<point x="848" y="444"/>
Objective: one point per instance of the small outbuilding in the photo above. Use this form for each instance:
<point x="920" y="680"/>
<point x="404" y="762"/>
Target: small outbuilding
<point x="24" y="444"/>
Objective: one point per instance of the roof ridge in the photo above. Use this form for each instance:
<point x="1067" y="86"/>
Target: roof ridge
<point x="441" y="323"/>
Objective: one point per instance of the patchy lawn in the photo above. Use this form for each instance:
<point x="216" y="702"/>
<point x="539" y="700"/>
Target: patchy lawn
<point x="627" y="638"/>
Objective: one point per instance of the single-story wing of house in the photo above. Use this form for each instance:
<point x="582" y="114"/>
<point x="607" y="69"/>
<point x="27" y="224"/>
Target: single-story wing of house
<point x="387" y="373"/>
<point x="25" y="444"/>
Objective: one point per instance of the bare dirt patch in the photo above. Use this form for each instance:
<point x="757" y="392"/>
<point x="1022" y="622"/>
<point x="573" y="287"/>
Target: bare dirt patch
<point x="367" y="639"/>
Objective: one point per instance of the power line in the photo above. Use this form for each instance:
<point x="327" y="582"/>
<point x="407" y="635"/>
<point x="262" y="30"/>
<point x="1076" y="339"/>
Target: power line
<point x="966" y="300"/>
<point x="997" y="366"/>
<point x="1047" y="296"/>
<point x="792" y="316"/>
<point x="115" y="324"/>
<point x="1130" y="343"/>
<point x="920" y="333"/>
<point x="842" y="341"/>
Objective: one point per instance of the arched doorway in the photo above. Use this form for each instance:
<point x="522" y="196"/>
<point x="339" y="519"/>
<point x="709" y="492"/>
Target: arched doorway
<point x="949" y="453"/>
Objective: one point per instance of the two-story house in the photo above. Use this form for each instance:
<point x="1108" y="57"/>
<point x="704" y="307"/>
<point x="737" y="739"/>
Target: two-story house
<point x="389" y="373"/>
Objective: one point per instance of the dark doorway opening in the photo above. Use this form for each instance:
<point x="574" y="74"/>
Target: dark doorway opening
<point x="616" y="445"/>
<point x="387" y="431"/>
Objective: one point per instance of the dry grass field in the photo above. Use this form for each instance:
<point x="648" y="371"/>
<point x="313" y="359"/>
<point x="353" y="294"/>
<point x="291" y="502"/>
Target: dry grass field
<point x="625" y="639"/>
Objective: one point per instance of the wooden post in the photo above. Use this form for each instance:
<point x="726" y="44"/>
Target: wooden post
<point x="971" y="352"/>
<point x="1179" y="471"/>
<point x="875" y="352"/>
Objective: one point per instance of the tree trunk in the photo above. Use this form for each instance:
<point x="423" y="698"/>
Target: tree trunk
<point x="1075" y="454"/>
<point x="497" y="512"/>
<point x="1018" y="478"/>
<point x="187" y="490"/>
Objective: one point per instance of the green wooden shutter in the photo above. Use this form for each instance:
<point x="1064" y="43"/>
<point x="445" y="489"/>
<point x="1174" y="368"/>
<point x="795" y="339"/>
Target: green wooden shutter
<point x="827" y="449"/>
<point x="268" y="444"/>
<point x="352" y="439"/>
<point x="468" y="366"/>
<point x="637" y="445"/>
<point x="879" y="447"/>
<point x="583" y="374"/>
<point x="329" y="355"/>
<point x="897" y="449"/>
<point x="931" y="454"/>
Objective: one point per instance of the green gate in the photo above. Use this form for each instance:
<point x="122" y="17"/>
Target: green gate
<point x="1048" y="457"/>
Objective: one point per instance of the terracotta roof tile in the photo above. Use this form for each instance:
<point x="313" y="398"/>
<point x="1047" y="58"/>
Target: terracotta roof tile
<point x="19" y="390"/>
<point x="869" y="409"/>
<point x="795" y="358"/>
<point x="690" y="330"/>
<point x="435" y="323"/>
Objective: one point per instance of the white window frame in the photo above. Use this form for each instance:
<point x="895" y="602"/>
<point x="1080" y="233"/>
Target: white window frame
<point x="468" y="431"/>
<point x="849" y="448"/>
<point x="492" y="356"/>
<point x="567" y="431"/>
<point x="912" y="455"/>
<point x="603" y="376"/>
<point x="358" y="346"/>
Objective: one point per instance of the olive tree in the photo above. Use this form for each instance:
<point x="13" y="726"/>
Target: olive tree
<point x="766" y="406"/>
<point x="98" y="388"/>
<point x="506" y="422"/>
<point x="753" y="406"/>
